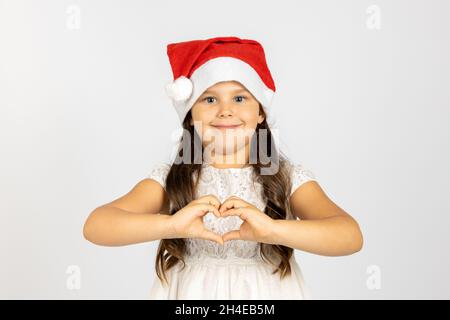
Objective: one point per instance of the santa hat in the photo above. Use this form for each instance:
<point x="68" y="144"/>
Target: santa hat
<point x="199" y="64"/>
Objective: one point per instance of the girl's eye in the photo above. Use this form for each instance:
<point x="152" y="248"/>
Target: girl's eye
<point x="243" y="98"/>
<point x="208" y="98"/>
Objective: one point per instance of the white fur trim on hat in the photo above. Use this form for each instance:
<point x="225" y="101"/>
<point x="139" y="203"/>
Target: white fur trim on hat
<point x="217" y="70"/>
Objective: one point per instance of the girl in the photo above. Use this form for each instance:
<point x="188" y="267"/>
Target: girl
<point x="225" y="211"/>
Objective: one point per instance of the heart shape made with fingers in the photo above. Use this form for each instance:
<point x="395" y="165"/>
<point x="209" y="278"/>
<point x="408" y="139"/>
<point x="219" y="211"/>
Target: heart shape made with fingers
<point x="220" y="225"/>
<point x="212" y="220"/>
<point x="235" y="219"/>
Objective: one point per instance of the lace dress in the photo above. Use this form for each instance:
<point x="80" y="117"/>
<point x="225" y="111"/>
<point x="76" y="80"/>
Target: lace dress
<point x="234" y="270"/>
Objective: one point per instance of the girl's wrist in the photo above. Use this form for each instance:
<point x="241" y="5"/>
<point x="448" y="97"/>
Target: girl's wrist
<point x="273" y="236"/>
<point x="167" y="222"/>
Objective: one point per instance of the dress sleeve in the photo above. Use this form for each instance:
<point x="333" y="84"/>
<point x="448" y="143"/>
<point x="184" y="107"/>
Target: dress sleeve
<point x="159" y="173"/>
<point x="299" y="175"/>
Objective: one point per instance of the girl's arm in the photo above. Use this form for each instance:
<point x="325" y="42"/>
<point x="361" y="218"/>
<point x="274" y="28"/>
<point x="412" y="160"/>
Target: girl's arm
<point x="133" y="218"/>
<point x="111" y="226"/>
<point x="324" y="227"/>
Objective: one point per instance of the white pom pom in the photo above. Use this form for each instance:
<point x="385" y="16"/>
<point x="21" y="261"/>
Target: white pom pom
<point x="180" y="89"/>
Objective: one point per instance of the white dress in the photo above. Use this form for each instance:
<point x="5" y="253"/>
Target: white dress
<point x="234" y="270"/>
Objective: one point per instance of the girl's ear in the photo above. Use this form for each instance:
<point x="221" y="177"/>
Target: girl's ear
<point x="260" y="117"/>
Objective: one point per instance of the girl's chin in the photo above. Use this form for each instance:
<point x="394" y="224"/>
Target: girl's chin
<point x="225" y="148"/>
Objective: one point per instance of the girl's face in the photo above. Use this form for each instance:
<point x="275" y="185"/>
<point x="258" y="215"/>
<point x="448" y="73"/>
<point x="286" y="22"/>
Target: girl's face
<point x="226" y="116"/>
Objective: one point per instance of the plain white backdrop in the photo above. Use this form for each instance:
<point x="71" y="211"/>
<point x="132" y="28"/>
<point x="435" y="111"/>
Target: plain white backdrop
<point x="362" y="100"/>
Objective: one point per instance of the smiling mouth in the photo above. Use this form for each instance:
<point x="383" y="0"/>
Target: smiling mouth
<point x="227" y="127"/>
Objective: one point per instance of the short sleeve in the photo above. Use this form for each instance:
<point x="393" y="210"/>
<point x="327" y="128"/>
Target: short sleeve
<point x="159" y="173"/>
<point x="299" y="175"/>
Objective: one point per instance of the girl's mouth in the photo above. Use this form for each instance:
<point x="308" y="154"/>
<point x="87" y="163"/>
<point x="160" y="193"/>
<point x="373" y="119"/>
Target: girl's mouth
<point x="228" y="127"/>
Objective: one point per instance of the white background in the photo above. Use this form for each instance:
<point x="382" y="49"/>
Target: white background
<point x="84" y="117"/>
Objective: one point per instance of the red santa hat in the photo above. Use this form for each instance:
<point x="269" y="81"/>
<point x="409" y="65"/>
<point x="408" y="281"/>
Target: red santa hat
<point x="199" y="64"/>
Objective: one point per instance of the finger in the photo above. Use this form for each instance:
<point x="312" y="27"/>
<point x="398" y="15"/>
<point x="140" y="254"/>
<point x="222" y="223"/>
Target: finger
<point x="240" y="212"/>
<point x="209" y="235"/>
<point x="232" y="203"/>
<point x="212" y="199"/>
<point x="232" y="235"/>
<point x="205" y="208"/>
<point x="209" y="199"/>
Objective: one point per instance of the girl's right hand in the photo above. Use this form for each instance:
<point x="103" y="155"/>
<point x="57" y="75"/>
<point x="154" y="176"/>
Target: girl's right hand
<point x="188" y="221"/>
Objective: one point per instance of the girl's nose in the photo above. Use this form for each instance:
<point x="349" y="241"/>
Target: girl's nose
<point x="225" y="110"/>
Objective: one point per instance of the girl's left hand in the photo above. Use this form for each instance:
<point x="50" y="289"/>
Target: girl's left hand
<point x="257" y="225"/>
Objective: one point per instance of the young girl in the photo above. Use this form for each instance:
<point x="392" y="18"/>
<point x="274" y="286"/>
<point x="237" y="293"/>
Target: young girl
<point x="225" y="211"/>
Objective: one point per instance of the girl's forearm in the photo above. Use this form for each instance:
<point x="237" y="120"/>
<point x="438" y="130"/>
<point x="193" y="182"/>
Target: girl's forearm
<point x="111" y="226"/>
<point x="333" y="236"/>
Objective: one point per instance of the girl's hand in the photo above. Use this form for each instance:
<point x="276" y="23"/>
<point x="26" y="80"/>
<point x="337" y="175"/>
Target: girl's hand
<point x="257" y="225"/>
<point x="188" y="221"/>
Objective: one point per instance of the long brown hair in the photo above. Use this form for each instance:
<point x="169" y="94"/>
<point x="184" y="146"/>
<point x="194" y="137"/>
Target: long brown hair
<point x="180" y="188"/>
